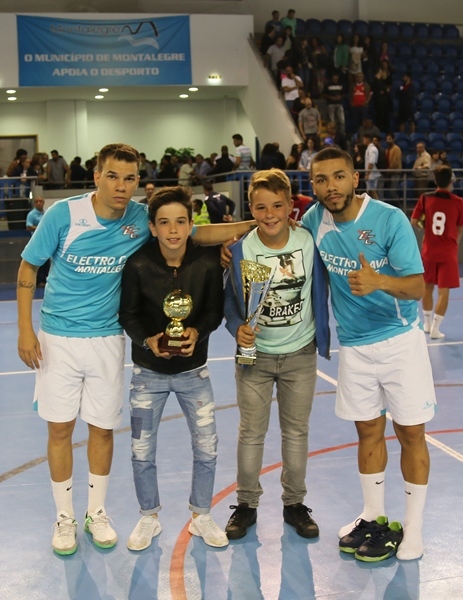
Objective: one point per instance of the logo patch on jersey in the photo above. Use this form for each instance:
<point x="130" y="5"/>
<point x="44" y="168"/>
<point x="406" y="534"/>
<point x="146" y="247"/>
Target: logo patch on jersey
<point x="82" y="223"/>
<point x="132" y="231"/>
<point x="365" y="236"/>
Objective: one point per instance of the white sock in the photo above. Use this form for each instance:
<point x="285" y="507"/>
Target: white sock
<point x="437" y="320"/>
<point x="373" y="500"/>
<point x="62" y="494"/>
<point x="411" y="546"/>
<point x="427" y="314"/>
<point x="97" y="488"/>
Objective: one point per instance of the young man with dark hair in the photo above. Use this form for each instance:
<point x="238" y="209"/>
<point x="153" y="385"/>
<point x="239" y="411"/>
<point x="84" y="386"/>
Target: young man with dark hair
<point x="168" y="263"/>
<point x="78" y="353"/>
<point x="243" y="154"/>
<point x="219" y="206"/>
<point x="375" y="272"/>
<point x="443" y="226"/>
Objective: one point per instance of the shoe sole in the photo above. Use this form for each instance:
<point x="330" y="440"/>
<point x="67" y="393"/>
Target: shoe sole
<point x="375" y="558"/>
<point x="65" y="552"/>
<point x="349" y="550"/>
<point x="308" y="535"/>
<point x="238" y="536"/>
<point x="194" y="531"/>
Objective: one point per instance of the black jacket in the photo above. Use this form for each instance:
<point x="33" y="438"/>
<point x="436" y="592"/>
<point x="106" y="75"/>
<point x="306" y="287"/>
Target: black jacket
<point x="146" y="281"/>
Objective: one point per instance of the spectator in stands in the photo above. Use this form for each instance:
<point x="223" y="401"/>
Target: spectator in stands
<point x="382" y="101"/>
<point x="339" y="138"/>
<point x="359" y="99"/>
<point x="219" y="206"/>
<point x="32" y="221"/>
<point x="298" y="104"/>
<point x="384" y="52"/>
<point x="443" y="227"/>
<point x="290" y="84"/>
<point x="307" y="155"/>
<point x="394" y="165"/>
<point x="406" y="108"/>
<point x="154" y="166"/>
<point x="270" y="158"/>
<point x="243" y="154"/>
<point x="166" y="173"/>
<point x="310" y="122"/>
<point x="186" y="172"/>
<point x="341" y="56"/>
<point x="90" y="173"/>
<point x="21" y="171"/>
<point x="290" y="21"/>
<point x="281" y="156"/>
<point x="14" y="164"/>
<point x="223" y="164"/>
<point x="369" y="58"/>
<point x="358" y="156"/>
<point x="201" y="169"/>
<point x="289" y="41"/>
<point x="355" y="57"/>
<point x="368" y="128"/>
<point x="36" y="168"/>
<point x="386" y="72"/>
<point x="334" y="96"/>
<point x="421" y="169"/>
<point x="150" y="188"/>
<point x="200" y="213"/>
<point x="372" y="173"/>
<point x="275" y="54"/>
<point x="381" y="164"/>
<point x="292" y="162"/>
<point x="275" y="21"/>
<point x="146" y="170"/>
<point x="57" y="169"/>
<point x="77" y="175"/>
<point x="268" y="39"/>
<point x="302" y="57"/>
<point x="300" y="202"/>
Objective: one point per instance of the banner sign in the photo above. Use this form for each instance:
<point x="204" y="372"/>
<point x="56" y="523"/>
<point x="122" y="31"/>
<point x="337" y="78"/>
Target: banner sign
<point x="66" y="52"/>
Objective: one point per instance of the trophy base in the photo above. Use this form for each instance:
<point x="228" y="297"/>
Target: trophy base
<point x="246" y="356"/>
<point x="171" y="345"/>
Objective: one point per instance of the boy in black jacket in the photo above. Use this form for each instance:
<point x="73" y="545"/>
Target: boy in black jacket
<point x="172" y="261"/>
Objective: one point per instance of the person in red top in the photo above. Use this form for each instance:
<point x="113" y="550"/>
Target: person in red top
<point x="300" y="202"/>
<point x="443" y="226"/>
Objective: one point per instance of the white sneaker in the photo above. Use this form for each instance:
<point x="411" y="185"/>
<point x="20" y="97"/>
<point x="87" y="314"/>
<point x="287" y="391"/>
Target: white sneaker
<point x="98" y="525"/>
<point x="64" y="534"/>
<point x="204" y="527"/>
<point x="146" y="529"/>
<point x="436" y="334"/>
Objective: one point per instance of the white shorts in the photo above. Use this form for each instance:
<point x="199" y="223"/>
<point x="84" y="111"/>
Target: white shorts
<point x="81" y="376"/>
<point x="393" y="375"/>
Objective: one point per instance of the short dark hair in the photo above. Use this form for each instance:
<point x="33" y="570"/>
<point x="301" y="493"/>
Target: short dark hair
<point x="118" y="152"/>
<point x="207" y="185"/>
<point x="170" y="195"/>
<point x="20" y="152"/>
<point x="238" y="136"/>
<point x="332" y="153"/>
<point x="390" y="134"/>
<point x="294" y="187"/>
<point x="443" y="175"/>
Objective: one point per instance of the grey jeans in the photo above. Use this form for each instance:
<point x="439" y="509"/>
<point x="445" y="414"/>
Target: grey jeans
<point x="294" y="375"/>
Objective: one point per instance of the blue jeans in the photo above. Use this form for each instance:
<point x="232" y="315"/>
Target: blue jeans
<point x="295" y="375"/>
<point x="149" y="391"/>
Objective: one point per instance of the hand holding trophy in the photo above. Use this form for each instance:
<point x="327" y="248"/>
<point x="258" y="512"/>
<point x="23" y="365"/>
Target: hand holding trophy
<point x="177" y="306"/>
<point x="256" y="279"/>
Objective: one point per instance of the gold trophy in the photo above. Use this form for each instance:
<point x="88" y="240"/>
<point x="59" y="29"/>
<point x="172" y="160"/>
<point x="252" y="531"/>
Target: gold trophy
<point x="177" y="306"/>
<point x="256" y="279"/>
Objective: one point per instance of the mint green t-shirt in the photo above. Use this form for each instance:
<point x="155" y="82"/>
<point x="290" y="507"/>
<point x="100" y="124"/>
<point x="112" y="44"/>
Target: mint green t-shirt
<point x="286" y="323"/>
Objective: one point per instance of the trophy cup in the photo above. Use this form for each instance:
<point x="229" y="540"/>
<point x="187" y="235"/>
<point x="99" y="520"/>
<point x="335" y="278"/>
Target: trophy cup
<point x="256" y="279"/>
<point x="177" y="306"/>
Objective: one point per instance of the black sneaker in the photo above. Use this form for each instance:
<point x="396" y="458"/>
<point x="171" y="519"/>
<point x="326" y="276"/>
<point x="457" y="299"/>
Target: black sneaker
<point x="298" y="515"/>
<point x="361" y="532"/>
<point x="241" y="519"/>
<point x="381" y="544"/>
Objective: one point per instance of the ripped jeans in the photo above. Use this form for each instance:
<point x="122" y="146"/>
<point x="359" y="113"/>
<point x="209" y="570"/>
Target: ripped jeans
<point x="149" y="391"/>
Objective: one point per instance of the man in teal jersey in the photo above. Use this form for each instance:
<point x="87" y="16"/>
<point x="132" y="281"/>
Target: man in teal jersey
<point x="375" y="274"/>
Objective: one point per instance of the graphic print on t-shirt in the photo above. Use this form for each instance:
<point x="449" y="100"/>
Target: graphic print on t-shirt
<point x="283" y="304"/>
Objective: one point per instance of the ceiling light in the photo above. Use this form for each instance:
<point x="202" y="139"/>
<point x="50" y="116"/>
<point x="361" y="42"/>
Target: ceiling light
<point x="99" y="97"/>
<point x="193" y="89"/>
<point x="11" y="91"/>
<point x="183" y="96"/>
<point x="103" y="90"/>
<point x="12" y="98"/>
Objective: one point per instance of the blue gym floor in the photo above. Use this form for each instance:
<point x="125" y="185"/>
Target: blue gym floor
<point x="272" y="562"/>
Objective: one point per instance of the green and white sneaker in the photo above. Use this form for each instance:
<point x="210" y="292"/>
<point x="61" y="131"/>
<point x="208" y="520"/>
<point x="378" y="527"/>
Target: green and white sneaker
<point x="64" y="540"/>
<point x="382" y="543"/>
<point x="98" y="525"/>
<point x="360" y="534"/>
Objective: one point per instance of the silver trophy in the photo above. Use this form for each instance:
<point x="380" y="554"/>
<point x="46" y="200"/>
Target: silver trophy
<point x="256" y="279"/>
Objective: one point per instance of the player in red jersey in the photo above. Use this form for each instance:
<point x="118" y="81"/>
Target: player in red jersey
<point x="443" y="226"/>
